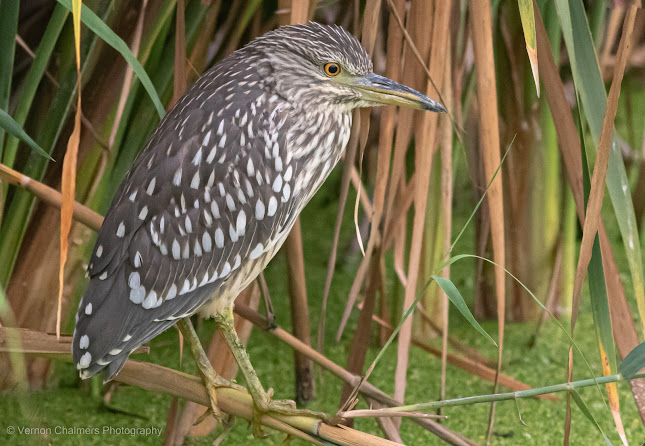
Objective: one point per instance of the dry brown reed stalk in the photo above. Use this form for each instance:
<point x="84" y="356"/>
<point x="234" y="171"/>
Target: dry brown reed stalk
<point x="394" y="54"/>
<point x="358" y="350"/>
<point x="127" y="83"/>
<point x="434" y="45"/>
<point x="50" y="196"/>
<point x="363" y="197"/>
<point x="611" y="35"/>
<point x="368" y="39"/>
<point x="446" y="207"/>
<point x="624" y="329"/>
<point x="34" y="342"/>
<point x="360" y="342"/>
<point x="68" y="178"/>
<point x="180" y="82"/>
<point x="516" y="119"/>
<point x="305" y="388"/>
<point x="198" y="58"/>
<point x="387" y="424"/>
<point x="480" y="20"/>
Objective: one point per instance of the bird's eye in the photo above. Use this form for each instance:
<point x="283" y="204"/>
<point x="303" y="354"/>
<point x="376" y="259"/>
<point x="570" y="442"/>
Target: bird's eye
<point x="332" y="69"/>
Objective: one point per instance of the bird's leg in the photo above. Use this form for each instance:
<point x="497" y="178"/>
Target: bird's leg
<point x="210" y="377"/>
<point x="261" y="399"/>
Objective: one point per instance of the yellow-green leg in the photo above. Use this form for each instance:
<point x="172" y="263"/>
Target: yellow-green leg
<point x="261" y="398"/>
<point x="209" y="376"/>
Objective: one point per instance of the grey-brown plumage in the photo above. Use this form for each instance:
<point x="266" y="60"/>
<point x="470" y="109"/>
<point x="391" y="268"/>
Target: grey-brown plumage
<point x="217" y="188"/>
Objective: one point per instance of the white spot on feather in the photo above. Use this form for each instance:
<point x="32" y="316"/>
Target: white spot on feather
<point x="176" y="179"/>
<point x="134" y="280"/>
<point x="286" y="193"/>
<point x="277" y="184"/>
<point x="172" y="292"/>
<point x="257" y="251"/>
<point x="138" y="259"/>
<point x="225" y="270"/>
<point x="176" y="254"/>
<point x="207" y="242"/>
<point x="288" y="173"/>
<point x="232" y="232"/>
<point x="230" y="203"/>
<point x="151" y="186"/>
<point x="259" y="210"/>
<point x="219" y="238"/>
<point x="241" y="223"/>
<point x="85" y="360"/>
<point x="151" y="301"/>
<point x="205" y="142"/>
<point x="137" y="296"/>
<point x="273" y="206"/>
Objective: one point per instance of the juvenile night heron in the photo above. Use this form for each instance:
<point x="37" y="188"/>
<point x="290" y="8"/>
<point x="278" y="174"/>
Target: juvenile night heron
<point x="216" y="190"/>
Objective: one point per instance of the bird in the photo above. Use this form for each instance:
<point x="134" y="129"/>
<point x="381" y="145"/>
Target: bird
<point x="216" y="190"/>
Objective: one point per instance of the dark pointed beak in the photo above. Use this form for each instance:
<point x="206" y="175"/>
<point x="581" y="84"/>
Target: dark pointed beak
<point x="383" y="91"/>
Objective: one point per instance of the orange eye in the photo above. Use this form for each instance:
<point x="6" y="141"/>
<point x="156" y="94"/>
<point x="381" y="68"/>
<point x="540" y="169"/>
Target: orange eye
<point x="332" y="69"/>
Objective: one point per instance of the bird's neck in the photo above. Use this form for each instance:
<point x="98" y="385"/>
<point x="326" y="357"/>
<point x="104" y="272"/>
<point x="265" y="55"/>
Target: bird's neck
<point x="317" y="139"/>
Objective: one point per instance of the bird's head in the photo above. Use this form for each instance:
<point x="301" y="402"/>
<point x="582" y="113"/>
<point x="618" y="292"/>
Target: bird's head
<point x="325" y="66"/>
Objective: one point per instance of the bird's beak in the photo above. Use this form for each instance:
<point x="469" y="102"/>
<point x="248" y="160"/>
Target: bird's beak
<point x="382" y="91"/>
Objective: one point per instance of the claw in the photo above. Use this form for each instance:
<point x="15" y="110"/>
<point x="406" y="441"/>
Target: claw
<point x="263" y="404"/>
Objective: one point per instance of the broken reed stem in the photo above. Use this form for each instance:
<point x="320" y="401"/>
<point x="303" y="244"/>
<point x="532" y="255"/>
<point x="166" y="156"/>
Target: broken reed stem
<point x="564" y="387"/>
<point x="94" y="221"/>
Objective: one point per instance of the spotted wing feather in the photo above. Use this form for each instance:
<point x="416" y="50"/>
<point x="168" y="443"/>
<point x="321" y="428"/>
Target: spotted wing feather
<point x="199" y="207"/>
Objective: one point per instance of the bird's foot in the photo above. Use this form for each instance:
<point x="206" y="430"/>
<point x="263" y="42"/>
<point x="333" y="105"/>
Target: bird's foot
<point x="210" y="377"/>
<point x="212" y="382"/>
<point x="263" y="404"/>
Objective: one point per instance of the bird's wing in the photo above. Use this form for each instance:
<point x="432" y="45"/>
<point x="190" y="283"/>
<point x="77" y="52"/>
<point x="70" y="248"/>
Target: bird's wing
<point x="206" y="197"/>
